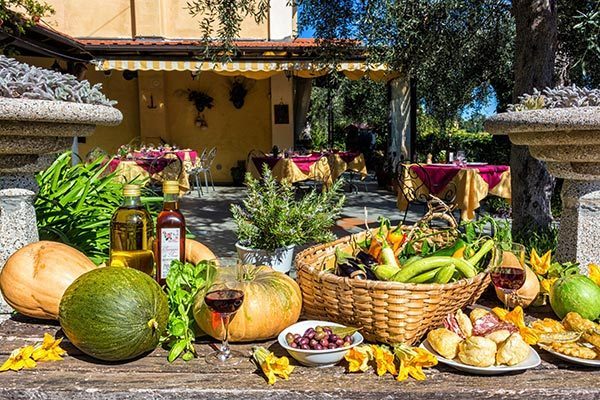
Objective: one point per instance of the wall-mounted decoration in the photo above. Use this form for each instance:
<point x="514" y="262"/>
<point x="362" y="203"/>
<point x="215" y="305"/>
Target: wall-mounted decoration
<point x="281" y="113"/>
<point x="238" y="92"/>
<point x="201" y="122"/>
<point x="200" y="99"/>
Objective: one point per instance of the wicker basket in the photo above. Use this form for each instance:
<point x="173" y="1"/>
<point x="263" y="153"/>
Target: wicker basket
<point x="388" y="312"/>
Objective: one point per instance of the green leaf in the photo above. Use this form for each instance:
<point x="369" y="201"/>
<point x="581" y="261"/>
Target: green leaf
<point x="176" y="350"/>
<point x="343" y="331"/>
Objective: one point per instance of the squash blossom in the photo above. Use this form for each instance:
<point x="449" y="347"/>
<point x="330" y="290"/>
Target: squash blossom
<point x="49" y="350"/>
<point x="271" y="365"/>
<point x="412" y="361"/>
<point x="540" y="265"/>
<point x="19" y="359"/>
<point x="358" y="358"/>
<point x="594" y="272"/>
<point x="384" y="359"/>
<point x="547" y="283"/>
<point x="517" y="318"/>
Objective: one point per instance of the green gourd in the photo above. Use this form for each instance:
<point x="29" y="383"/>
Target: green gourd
<point x="114" y="313"/>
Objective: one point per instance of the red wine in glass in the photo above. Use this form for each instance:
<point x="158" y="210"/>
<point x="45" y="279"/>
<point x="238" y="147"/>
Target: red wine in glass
<point x="508" y="278"/>
<point x="224" y="301"/>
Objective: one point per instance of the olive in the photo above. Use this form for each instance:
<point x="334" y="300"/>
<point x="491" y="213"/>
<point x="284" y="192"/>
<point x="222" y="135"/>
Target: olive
<point x="296" y="335"/>
<point x="347" y="344"/>
<point x="320" y="335"/>
<point x="289" y="338"/>
<point x="318" y="347"/>
<point x="333" y="338"/>
<point x="297" y="340"/>
<point x="319" y="329"/>
<point x="348" y="338"/>
<point x="327" y="331"/>
<point x="331" y="346"/>
<point x="313" y="343"/>
<point x="305" y="347"/>
<point x="339" y="342"/>
<point x="304" y="341"/>
<point x="294" y="345"/>
<point x="311" y="335"/>
<point x="324" y="342"/>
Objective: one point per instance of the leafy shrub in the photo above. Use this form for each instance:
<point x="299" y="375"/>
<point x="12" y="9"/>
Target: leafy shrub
<point x="273" y="217"/>
<point x="480" y="146"/>
<point x="75" y="204"/>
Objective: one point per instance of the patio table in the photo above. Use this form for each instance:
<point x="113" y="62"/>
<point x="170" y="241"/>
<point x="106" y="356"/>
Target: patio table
<point x="469" y="184"/>
<point x="324" y="167"/>
<point x="149" y="165"/>
<point x="152" y="377"/>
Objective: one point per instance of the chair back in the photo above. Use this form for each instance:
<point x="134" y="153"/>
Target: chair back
<point x="207" y="158"/>
<point x="408" y="177"/>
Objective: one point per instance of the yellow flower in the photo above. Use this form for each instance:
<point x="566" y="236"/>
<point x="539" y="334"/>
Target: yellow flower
<point x="271" y="365"/>
<point x="541" y="264"/>
<point x="19" y="359"/>
<point x="547" y="283"/>
<point x="517" y="318"/>
<point x="358" y="358"/>
<point x="594" y="272"/>
<point x="384" y="359"/>
<point x="412" y="361"/>
<point x="49" y="350"/>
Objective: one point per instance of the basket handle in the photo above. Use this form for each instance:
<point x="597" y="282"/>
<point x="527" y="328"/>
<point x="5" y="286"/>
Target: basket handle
<point x="438" y="210"/>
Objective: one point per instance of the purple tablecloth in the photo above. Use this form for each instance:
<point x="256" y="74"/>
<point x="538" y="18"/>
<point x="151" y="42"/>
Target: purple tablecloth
<point x="437" y="177"/>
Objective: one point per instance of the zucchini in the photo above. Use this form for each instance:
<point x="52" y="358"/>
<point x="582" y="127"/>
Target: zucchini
<point x="425" y="276"/>
<point x="429" y="263"/>
<point x="444" y="274"/>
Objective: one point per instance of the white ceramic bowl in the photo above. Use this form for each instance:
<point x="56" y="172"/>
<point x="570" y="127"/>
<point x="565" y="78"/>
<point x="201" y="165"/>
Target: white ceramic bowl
<point x="316" y="358"/>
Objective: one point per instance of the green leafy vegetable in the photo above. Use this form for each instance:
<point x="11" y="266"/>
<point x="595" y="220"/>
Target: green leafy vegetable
<point x="184" y="282"/>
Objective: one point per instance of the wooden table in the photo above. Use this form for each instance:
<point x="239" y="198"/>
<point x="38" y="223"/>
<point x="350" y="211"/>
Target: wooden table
<point x="152" y="377"/>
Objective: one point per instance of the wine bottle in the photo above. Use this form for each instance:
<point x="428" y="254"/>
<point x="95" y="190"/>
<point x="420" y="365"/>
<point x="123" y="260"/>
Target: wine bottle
<point x="131" y="232"/>
<point x="170" y="229"/>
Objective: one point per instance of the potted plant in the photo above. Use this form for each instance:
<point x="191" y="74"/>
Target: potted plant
<point x="272" y="220"/>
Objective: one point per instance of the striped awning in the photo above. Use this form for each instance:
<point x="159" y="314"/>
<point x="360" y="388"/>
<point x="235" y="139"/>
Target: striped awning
<point x="252" y="69"/>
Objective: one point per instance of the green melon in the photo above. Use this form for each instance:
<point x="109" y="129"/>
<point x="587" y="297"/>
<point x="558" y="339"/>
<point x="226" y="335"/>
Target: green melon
<point x="114" y="313"/>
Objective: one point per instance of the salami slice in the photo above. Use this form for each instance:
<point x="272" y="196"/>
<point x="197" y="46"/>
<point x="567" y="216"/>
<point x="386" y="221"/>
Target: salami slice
<point x="491" y="323"/>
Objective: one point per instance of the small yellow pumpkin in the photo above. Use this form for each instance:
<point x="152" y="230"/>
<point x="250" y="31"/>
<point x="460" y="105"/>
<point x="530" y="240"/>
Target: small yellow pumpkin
<point x="272" y="302"/>
<point x="36" y="276"/>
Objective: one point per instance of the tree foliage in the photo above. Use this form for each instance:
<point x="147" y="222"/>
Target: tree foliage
<point x="16" y="15"/>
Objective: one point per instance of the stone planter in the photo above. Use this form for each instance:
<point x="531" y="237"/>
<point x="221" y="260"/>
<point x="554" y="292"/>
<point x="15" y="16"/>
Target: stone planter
<point x="568" y="140"/>
<point x="280" y="259"/>
<point x="31" y="133"/>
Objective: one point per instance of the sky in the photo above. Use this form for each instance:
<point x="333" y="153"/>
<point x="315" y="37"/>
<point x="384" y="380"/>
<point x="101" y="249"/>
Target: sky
<point x="487" y="109"/>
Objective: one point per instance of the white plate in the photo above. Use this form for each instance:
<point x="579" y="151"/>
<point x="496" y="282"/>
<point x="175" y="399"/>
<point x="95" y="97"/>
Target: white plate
<point x="574" y="360"/>
<point x="532" y="361"/>
<point x="476" y="164"/>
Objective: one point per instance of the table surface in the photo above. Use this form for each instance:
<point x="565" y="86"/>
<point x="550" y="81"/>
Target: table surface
<point x="80" y="377"/>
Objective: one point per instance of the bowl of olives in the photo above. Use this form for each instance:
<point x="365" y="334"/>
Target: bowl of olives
<point x="318" y="343"/>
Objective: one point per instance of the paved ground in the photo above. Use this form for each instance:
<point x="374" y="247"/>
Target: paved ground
<point x="208" y="217"/>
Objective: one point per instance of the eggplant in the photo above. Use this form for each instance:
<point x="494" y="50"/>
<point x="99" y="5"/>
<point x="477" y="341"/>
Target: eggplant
<point x="350" y="266"/>
<point x="368" y="261"/>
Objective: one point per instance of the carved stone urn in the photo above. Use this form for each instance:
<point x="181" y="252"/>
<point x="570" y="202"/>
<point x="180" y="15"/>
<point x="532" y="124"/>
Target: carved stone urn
<point x="32" y="132"/>
<point x="568" y="141"/>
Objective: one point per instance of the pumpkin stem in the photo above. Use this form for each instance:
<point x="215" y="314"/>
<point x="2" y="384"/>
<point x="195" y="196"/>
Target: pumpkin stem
<point x="152" y="324"/>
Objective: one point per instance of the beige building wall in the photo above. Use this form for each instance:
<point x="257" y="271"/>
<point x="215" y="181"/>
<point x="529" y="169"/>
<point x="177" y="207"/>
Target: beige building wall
<point x="136" y="18"/>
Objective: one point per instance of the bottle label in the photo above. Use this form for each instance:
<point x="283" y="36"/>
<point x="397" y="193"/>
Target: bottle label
<point x="169" y="249"/>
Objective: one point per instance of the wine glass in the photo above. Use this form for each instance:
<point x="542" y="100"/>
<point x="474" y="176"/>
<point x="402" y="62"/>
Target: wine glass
<point x="508" y="271"/>
<point x="461" y="157"/>
<point x="223" y="299"/>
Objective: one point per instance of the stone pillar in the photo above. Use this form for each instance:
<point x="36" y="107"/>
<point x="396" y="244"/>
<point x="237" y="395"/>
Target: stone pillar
<point x="17" y="226"/>
<point x="579" y="232"/>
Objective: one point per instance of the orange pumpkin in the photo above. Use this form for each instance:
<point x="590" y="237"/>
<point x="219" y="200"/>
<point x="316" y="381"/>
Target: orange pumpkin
<point x="196" y="252"/>
<point x="35" y="277"/>
<point x="272" y="302"/>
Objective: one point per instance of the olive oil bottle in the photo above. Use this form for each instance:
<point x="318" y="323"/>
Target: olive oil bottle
<point x="170" y="232"/>
<point x="131" y="232"/>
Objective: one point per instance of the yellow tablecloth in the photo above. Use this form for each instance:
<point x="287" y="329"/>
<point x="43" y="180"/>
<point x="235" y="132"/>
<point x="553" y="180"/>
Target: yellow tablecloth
<point x="327" y="169"/>
<point x="128" y="171"/>
<point x="468" y="184"/>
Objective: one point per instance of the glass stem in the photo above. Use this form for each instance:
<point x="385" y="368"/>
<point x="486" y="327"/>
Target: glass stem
<point x="225" y="351"/>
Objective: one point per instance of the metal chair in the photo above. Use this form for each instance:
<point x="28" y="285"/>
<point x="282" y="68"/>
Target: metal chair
<point x="420" y="194"/>
<point x="204" y="167"/>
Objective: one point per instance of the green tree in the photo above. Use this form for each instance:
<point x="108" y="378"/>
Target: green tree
<point x="16" y="15"/>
